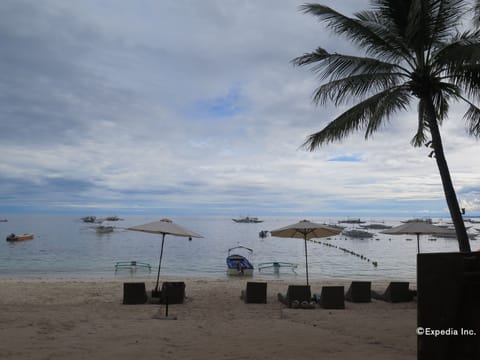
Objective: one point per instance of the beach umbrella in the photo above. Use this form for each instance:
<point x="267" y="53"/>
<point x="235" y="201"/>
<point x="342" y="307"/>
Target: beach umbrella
<point x="164" y="227"/>
<point x="305" y="230"/>
<point x="418" y="228"/>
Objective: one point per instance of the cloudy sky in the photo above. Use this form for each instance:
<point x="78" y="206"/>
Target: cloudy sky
<point x="193" y="107"/>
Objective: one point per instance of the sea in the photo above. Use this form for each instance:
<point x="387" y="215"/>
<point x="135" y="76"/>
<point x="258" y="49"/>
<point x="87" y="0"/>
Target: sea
<point x="65" y="247"/>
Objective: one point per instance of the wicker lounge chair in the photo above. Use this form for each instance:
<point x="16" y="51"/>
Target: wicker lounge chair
<point x="255" y="293"/>
<point x="296" y="294"/>
<point x="331" y="297"/>
<point x="134" y="293"/>
<point x="172" y="292"/>
<point x="397" y="291"/>
<point x="359" y="291"/>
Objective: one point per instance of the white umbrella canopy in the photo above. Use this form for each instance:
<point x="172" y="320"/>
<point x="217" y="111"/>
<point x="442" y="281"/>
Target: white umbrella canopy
<point x="305" y="230"/>
<point x="164" y="227"/>
<point x="418" y="228"/>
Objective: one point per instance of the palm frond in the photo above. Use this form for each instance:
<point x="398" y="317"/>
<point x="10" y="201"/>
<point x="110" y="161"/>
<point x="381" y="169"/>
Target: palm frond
<point x="355" y="87"/>
<point x="468" y="79"/>
<point x="472" y="119"/>
<point x="368" y="114"/>
<point x="421" y="23"/>
<point x="461" y="50"/>
<point x="368" y="35"/>
<point x="445" y="17"/>
<point x="338" y="66"/>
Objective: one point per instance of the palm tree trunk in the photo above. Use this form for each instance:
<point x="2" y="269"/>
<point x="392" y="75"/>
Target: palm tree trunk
<point x="450" y="195"/>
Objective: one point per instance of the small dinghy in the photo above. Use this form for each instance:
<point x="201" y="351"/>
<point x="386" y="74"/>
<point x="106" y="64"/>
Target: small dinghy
<point x="12" y="237"/>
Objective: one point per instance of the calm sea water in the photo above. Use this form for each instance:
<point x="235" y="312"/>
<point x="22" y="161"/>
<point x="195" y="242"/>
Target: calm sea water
<point x="65" y="247"/>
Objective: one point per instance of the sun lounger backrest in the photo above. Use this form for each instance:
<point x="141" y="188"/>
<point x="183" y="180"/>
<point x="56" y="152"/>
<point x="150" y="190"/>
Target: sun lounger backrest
<point x="299" y="293"/>
<point x="173" y="292"/>
<point x="332" y="297"/>
<point x="134" y="293"/>
<point x="256" y="293"/>
<point x="359" y="291"/>
<point x="398" y="291"/>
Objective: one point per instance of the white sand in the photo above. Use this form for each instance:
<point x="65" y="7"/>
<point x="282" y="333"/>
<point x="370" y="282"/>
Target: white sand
<point x="73" y="319"/>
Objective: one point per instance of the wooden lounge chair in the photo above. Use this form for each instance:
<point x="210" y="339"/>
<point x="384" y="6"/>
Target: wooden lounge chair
<point x="359" y="291"/>
<point x="134" y="293"/>
<point x="331" y="297"/>
<point x="172" y="292"/>
<point x="296" y="293"/>
<point x="397" y="291"/>
<point x="255" y="293"/>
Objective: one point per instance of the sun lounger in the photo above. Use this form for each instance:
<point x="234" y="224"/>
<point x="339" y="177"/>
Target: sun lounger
<point x="296" y="295"/>
<point x="359" y="291"/>
<point x="255" y="293"/>
<point x="397" y="291"/>
<point x="331" y="297"/>
<point x="172" y="292"/>
<point x="134" y="293"/>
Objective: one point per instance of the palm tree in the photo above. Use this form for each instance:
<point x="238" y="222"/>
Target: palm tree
<point x="414" y="51"/>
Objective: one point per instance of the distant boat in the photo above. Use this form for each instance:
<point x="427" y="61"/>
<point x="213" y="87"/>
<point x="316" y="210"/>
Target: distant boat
<point x="375" y="226"/>
<point x="428" y="220"/>
<point x="357" y="233"/>
<point x="248" y="220"/>
<point x="104" y="229"/>
<point x="89" y="219"/>
<point x="351" y="221"/>
<point x="3" y="220"/>
<point x="12" y="237"/>
<point x="339" y="227"/>
<point x="263" y="234"/>
<point x="112" y="218"/>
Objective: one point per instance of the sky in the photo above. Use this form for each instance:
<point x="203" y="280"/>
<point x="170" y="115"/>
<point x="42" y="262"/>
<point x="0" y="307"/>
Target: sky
<point x="183" y="107"/>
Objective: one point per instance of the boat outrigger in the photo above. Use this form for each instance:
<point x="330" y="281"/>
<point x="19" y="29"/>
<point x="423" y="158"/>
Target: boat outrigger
<point x="132" y="266"/>
<point x="276" y="265"/>
<point x="237" y="264"/>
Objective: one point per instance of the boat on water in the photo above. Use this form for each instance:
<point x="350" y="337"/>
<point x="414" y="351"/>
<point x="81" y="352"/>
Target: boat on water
<point x="133" y="266"/>
<point x="3" y="220"/>
<point x="357" y="233"/>
<point x="12" y="237"/>
<point x="238" y="264"/>
<point x="102" y="229"/>
<point x="263" y="234"/>
<point x="427" y="220"/>
<point x="351" y="221"/>
<point x="248" y="219"/>
<point x="276" y="266"/>
<point x="89" y="219"/>
<point x="112" y="218"/>
<point x="376" y="226"/>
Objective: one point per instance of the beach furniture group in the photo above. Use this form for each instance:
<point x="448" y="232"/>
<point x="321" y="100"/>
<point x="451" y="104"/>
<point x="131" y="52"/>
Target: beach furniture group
<point x="172" y="292"/>
<point x="297" y="296"/>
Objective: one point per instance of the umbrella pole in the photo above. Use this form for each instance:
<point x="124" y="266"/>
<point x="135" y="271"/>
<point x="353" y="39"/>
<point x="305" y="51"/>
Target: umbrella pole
<point x="418" y="243"/>
<point x="160" y="263"/>
<point x="306" y="259"/>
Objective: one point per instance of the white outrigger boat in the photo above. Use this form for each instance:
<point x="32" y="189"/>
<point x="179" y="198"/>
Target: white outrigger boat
<point x="237" y="264"/>
<point x="276" y="266"/>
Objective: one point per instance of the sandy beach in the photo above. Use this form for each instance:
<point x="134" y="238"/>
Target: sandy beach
<point x="85" y="319"/>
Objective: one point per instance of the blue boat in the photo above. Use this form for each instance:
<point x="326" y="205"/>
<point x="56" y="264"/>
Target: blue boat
<point x="238" y="264"/>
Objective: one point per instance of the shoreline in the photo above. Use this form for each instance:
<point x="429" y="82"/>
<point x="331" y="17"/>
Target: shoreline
<point x="76" y="319"/>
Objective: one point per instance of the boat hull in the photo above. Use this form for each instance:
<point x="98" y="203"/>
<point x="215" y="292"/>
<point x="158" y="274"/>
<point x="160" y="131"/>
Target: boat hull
<point x="236" y="272"/>
<point x="238" y="265"/>
<point x="23" y="237"/>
